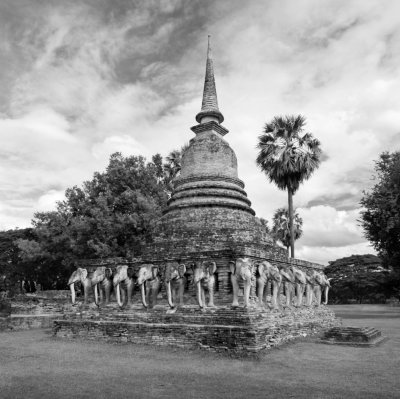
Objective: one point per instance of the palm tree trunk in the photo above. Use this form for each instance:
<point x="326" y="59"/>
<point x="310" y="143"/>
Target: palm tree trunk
<point x="291" y="226"/>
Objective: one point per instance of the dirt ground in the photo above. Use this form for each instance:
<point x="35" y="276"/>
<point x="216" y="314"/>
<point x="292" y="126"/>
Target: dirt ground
<point x="33" y="364"/>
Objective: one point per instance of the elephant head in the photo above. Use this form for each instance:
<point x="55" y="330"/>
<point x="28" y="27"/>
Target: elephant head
<point x="300" y="281"/>
<point x="80" y="275"/>
<point x="174" y="275"/>
<point x="124" y="277"/>
<point x="288" y="280"/>
<point x="241" y="270"/>
<point x="203" y="275"/>
<point x="148" y="275"/>
<point x="267" y="272"/>
<point x="102" y="277"/>
<point x="323" y="284"/>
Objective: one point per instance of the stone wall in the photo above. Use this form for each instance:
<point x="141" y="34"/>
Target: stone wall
<point x="235" y="330"/>
<point x="35" y="310"/>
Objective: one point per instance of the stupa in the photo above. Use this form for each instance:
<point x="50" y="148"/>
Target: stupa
<point x="208" y="218"/>
<point x="209" y="209"/>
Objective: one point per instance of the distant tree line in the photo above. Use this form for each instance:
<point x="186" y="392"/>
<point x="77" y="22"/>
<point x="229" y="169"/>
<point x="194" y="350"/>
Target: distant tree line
<point x="359" y="279"/>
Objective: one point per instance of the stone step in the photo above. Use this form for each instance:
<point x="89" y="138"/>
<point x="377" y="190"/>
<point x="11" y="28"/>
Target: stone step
<point x="352" y="334"/>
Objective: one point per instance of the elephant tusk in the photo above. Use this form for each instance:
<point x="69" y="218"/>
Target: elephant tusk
<point x="199" y="295"/>
<point x="119" y="296"/>
<point x="169" y="295"/>
<point x="326" y="295"/>
<point x="96" y="295"/>
<point x="143" y="295"/>
<point x="72" y="288"/>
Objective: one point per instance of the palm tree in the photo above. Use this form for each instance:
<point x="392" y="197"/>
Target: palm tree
<point x="172" y="167"/>
<point x="287" y="157"/>
<point x="281" y="228"/>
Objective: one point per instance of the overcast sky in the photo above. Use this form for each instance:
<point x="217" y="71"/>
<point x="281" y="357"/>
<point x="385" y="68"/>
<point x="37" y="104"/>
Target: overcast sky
<point x="80" y="80"/>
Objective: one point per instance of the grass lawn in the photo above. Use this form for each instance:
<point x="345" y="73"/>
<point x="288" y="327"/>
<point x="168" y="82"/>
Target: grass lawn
<point x="33" y="364"/>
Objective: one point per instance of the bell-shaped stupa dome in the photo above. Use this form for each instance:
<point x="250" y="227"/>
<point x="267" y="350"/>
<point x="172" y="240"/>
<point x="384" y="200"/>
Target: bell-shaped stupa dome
<point x="208" y="209"/>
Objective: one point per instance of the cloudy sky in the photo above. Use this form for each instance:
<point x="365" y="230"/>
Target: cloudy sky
<point x="80" y="80"/>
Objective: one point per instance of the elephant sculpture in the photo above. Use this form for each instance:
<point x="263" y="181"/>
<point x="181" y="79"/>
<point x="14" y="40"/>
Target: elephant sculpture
<point x="175" y="281"/>
<point x="288" y="283"/>
<point x="300" y="281"/>
<point x="101" y="281"/>
<point x="81" y="275"/>
<point x="124" y="281"/>
<point x="310" y="288"/>
<point x="204" y="279"/>
<point x="322" y="285"/>
<point x="295" y="281"/>
<point x="267" y="272"/>
<point x="241" y="270"/>
<point x="149" y="282"/>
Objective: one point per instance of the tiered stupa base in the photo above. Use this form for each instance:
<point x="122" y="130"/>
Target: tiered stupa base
<point x="234" y="330"/>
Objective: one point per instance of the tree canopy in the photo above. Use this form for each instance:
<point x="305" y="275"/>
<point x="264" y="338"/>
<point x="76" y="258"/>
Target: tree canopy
<point x="380" y="218"/>
<point x="109" y="216"/>
<point x="281" y="229"/>
<point x="359" y="278"/>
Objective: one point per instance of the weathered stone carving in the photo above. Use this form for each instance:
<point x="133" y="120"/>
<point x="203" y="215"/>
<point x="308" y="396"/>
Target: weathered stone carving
<point x="124" y="282"/>
<point x="204" y="279"/>
<point x="149" y="282"/>
<point x="268" y="273"/>
<point x="321" y="287"/>
<point x="175" y="282"/>
<point x="81" y="275"/>
<point x="288" y="284"/>
<point x="101" y="281"/>
<point x="241" y="270"/>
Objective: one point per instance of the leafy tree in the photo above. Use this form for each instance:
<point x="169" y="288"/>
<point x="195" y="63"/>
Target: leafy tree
<point x="381" y="215"/>
<point x="281" y="228"/>
<point x="358" y="278"/>
<point x="287" y="157"/>
<point x="172" y="167"/>
<point x="12" y="267"/>
<point x="265" y="225"/>
<point x="108" y="216"/>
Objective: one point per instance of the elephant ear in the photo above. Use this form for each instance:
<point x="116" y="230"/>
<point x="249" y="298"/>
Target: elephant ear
<point x="212" y="267"/>
<point x="232" y="266"/>
<point x="181" y="270"/>
<point x="84" y="274"/>
<point x="154" y="271"/>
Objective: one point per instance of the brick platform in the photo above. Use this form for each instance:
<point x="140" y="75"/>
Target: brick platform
<point x="34" y="311"/>
<point x="354" y="336"/>
<point x="235" y="330"/>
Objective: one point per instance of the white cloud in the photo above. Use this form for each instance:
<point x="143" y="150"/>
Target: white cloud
<point x="324" y="255"/>
<point x="85" y="83"/>
<point x="47" y="201"/>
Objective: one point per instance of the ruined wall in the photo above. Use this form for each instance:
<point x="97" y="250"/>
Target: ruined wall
<point x="240" y="330"/>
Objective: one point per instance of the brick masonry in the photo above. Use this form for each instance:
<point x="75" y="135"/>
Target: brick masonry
<point x="235" y="330"/>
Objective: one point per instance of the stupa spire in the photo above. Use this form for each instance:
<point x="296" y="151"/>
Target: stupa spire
<point x="209" y="106"/>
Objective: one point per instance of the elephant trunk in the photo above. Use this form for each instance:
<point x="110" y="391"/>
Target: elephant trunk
<point x="199" y="295"/>
<point x="143" y="295"/>
<point x="169" y="295"/>
<point x="72" y="288"/>
<point x="119" y="296"/>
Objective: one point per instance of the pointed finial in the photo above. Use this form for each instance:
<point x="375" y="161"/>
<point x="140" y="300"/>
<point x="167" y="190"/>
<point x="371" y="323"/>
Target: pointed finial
<point x="209" y="106"/>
